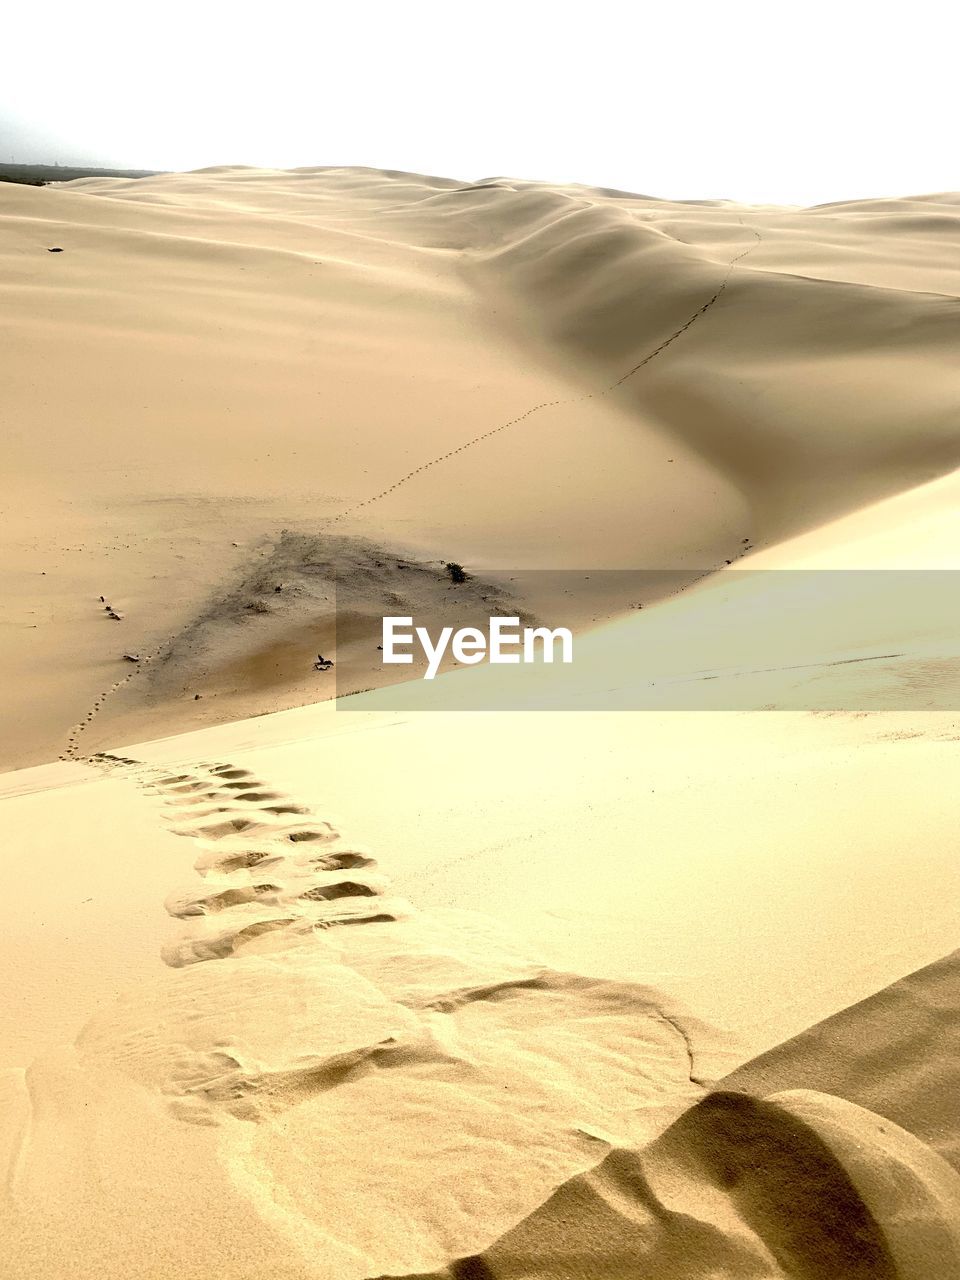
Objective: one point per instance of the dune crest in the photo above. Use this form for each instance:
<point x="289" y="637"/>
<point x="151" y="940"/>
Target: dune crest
<point x="801" y="1184"/>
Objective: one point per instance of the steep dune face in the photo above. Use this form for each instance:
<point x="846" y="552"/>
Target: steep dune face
<point x="895" y="1052"/>
<point x="808" y="375"/>
<point x="801" y="1185"/>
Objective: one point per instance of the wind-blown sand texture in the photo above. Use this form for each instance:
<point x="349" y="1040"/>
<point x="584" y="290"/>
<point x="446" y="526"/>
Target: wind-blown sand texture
<point x="297" y="990"/>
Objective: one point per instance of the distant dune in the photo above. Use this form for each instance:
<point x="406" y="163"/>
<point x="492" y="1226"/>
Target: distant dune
<point x="334" y="991"/>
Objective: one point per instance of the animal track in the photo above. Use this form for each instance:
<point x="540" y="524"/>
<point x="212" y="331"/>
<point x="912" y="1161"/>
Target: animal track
<point x="140" y="663"/>
<point x="246" y="829"/>
<point x="569" y="400"/>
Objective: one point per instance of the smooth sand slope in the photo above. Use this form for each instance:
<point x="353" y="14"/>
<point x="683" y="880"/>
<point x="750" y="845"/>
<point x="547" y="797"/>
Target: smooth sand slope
<point x="515" y="978"/>
<point x="354" y="991"/>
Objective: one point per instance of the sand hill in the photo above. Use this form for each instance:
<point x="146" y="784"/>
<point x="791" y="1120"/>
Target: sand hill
<point x="301" y="989"/>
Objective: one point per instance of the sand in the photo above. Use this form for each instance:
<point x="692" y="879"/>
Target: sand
<point x="301" y="988"/>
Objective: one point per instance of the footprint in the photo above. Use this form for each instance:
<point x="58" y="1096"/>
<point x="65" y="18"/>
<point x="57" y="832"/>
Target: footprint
<point x="190" y="903"/>
<point x="344" y="889"/>
<point x="243" y="826"/>
<point x="216" y="830"/>
<point x="226" y="862"/>
<point x="337" y="860"/>
<point x="224" y="942"/>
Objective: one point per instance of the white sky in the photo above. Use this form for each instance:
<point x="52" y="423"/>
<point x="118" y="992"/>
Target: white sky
<point x="794" y="104"/>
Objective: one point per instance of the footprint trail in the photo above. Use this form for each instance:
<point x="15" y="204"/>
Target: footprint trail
<point x="310" y="1044"/>
<point x="265" y="864"/>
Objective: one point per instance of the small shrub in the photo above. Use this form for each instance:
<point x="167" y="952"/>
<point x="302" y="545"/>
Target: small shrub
<point x="457" y="572"/>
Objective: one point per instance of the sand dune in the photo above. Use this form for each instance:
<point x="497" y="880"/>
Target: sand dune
<point x="800" y="1184"/>
<point x="304" y="990"/>
<point x="218" y="356"/>
<point x="893" y="1052"/>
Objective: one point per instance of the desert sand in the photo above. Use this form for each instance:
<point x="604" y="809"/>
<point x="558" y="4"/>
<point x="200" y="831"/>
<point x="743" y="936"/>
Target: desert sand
<point x="305" y="988"/>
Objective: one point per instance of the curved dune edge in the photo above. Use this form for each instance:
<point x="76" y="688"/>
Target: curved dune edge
<point x="800" y="1184"/>
<point x="909" y="1191"/>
